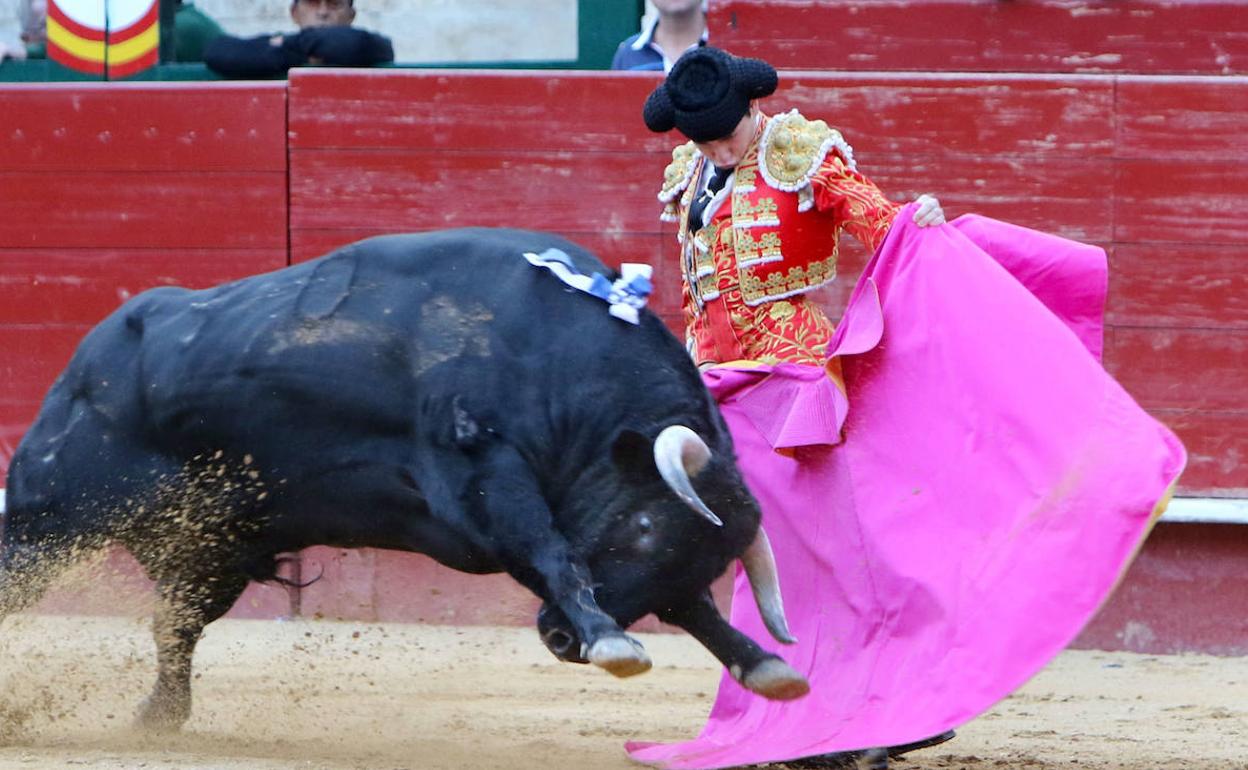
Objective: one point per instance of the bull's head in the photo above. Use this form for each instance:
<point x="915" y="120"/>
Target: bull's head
<point x="662" y="546"/>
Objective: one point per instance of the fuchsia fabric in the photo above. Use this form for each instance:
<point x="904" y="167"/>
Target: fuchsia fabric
<point x="993" y="484"/>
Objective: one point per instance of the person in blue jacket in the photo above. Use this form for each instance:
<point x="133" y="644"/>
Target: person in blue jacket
<point x="679" y="26"/>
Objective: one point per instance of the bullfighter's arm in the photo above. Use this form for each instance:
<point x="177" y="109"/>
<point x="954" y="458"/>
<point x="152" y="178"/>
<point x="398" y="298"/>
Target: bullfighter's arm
<point x="859" y="205"/>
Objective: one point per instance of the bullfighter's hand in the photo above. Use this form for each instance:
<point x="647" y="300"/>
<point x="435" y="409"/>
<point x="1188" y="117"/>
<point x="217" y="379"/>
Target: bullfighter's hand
<point x="929" y="213"/>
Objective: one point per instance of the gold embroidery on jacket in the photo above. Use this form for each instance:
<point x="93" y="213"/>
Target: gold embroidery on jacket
<point x="745" y="178"/>
<point x="796" y="280"/>
<point x="676" y="178"/>
<point x="751" y="250"/>
<point x="794" y="148"/>
<point x="763" y="212"/>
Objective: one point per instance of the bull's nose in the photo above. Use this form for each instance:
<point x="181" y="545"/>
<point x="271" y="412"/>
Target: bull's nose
<point x="558" y="636"/>
<point x="560" y="642"/>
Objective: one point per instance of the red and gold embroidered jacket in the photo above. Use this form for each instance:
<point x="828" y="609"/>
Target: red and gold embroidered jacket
<point x="771" y="241"/>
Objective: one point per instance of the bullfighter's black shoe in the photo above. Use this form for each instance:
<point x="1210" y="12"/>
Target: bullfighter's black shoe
<point x="926" y="743"/>
<point x="868" y="759"/>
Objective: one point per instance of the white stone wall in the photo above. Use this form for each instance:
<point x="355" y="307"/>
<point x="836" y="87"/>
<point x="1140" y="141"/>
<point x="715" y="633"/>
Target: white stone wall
<point x="9" y="27"/>
<point x="423" y="31"/>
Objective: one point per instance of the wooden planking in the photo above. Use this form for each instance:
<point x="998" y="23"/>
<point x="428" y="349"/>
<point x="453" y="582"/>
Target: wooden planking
<point x="957" y="115"/>
<point x="418" y="190"/>
<point x="410" y="586"/>
<point x="157" y="209"/>
<point x="1177" y="267"/>
<point x="1179" y="285"/>
<point x="601" y="112"/>
<point x="567" y="112"/>
<point x="1165" y="119"/>
<point x="1179" y="368"/>
<point x="31" y="357"/>
<point x="1197" y="201"/>
<point x="376" y="585"/>
<point x="1217" y="449"/>
<point x="82" y="286"/>
<point x="1144" y="36"/>
<point x="911" y="114"/>
<point x="306" y="244"/>
<point x="1070" y="198"/>
<point x="109" y="189"/>
<point x="15" y="418"/>
<point x="128" y="127"/>
<point x="1186" y="591"/>
<point x="344" y="585"/>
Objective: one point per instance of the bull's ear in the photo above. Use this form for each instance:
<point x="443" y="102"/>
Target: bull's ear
<point x="633" y="452"/>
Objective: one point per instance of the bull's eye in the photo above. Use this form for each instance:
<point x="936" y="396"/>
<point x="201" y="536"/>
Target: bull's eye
<point x="644" y="524"/>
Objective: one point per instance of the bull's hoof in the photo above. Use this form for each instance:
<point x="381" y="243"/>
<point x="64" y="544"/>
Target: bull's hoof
<point x="776" y="680"/>
<point x="620" y="655"/>
<point x="162" y="714"/>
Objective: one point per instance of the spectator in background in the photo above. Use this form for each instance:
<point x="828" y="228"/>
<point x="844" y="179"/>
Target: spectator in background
<point x="678" y="26"/>
<point x="193" y="30"/>
<point x="325" y="36"/>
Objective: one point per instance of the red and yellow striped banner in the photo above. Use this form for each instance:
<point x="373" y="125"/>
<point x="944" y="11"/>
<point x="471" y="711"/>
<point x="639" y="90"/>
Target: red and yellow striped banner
<point x="115" y="38"/>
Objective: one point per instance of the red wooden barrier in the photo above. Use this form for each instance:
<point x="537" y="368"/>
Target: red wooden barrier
<point x="1190" y="37"/>
<point x="108" y="190"/>
<point x="1187" y="591"/>
<point x="563" y="151"/>
<point x="1152" y="168"/>
<point x="111" y="189"/>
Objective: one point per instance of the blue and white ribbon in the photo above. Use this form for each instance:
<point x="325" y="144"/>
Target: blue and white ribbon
<point x="625" y="296"/>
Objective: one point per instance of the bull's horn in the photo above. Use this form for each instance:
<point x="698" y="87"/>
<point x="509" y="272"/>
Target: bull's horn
<point x="760" y="568"/>
<point x="680" y="454"/>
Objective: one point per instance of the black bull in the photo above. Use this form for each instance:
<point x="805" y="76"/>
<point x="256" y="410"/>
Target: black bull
<point x="431" y="393"/>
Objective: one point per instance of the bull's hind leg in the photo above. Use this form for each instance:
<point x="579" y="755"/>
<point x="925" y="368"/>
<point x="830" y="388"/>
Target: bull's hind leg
<point x="186" y="603"/>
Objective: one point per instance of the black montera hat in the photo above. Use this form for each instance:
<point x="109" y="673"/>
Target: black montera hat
<point x="707" y="93"/>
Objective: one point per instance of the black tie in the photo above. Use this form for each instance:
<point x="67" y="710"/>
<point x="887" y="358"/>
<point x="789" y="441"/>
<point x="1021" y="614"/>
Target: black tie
<point x="718" y="178"/>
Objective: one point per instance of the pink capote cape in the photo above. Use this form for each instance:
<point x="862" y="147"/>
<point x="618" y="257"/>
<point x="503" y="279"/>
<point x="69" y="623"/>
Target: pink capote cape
<point x="992" y="486"/>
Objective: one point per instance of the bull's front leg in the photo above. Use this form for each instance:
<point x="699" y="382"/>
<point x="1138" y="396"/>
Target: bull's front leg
<point x="520" y="525"/>
<point x="756" y="669"/>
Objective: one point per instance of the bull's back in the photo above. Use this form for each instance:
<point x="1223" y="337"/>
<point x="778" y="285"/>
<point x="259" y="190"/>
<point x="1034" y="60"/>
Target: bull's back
<point x="336" y="351"/>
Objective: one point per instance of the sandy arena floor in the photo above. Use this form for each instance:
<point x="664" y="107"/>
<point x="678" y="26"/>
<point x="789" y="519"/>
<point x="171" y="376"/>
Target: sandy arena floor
<point x="316" y="694"/>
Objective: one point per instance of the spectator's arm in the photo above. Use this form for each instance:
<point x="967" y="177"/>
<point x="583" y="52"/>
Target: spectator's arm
<point x="343" y="46"/>
<point x="253" y="57"/>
